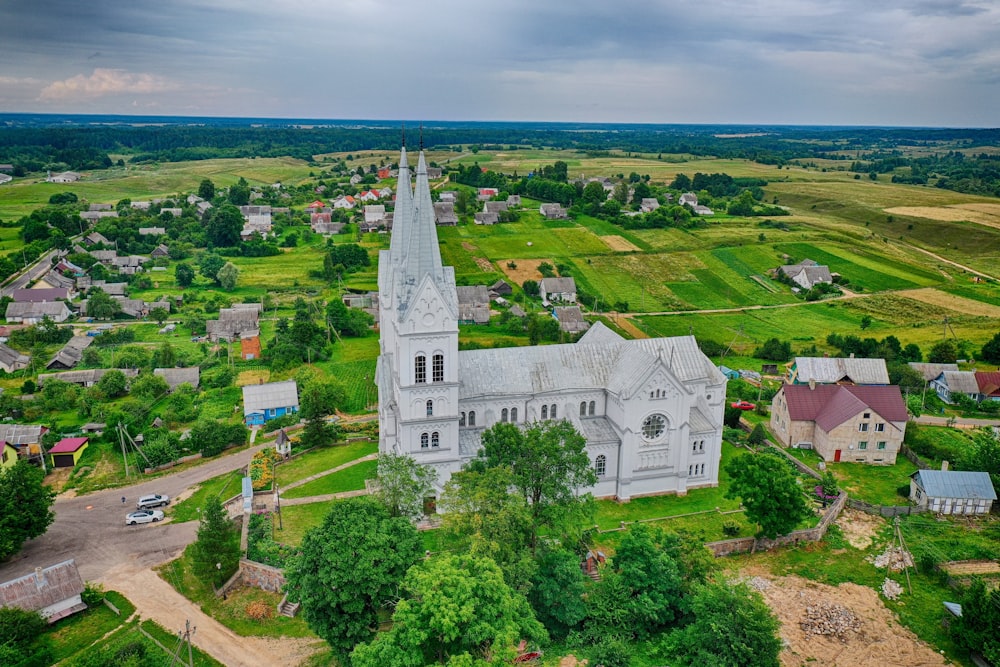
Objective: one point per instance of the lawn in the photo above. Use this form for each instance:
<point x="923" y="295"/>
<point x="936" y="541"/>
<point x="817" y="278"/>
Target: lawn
<point x="71" y="634"/>
<point x="297" y="519"/>
<point x="349" y="479"/>
<point x="221" y="487"/>
<point x="320" y="459"/>
<point x="875" y="484"/>
<point x="231" y="611"/>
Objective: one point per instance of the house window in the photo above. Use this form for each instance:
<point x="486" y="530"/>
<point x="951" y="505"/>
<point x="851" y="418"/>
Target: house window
<point x="503" y="415"/>
<point x="701" y="445"/>
<point x="423" y="441"/>
<point x="601" y="465"/>
<point x="461" y="419"/>
<point x="867" y="415"/>
<point x="591" y="408"/>
<point x="881" y="444"/>
<point x="435" y="439"/>
<point x="694" y="446"/>
<point x="513" y="415"/>
<point x="863" y="444"/>
<point x="552" y="411"/>
<point x="690" y="471"/>
<point x="653" y="426"/>
<point x="437" y="367"/>
<point x="880" y="427"/>
<point x="430" y="408"/>
<point x="863" y="427"/>
<point x="583" y="409"/>
<point x="472" y="417"/>
<point x="545" y="412"/>
<point x="420" y="369"/>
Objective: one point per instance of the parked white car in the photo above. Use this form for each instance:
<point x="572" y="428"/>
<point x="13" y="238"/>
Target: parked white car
<point x="150" y="501"/>
<point x="143" y="516"/>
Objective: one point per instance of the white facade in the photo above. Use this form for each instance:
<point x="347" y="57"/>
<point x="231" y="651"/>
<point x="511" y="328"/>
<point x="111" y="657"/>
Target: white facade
<point x="651" y="410"/>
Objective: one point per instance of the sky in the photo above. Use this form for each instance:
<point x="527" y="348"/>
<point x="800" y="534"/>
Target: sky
<point x="810" y="62"/>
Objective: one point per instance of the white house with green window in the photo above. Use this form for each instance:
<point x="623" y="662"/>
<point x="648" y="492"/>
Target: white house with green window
<point x="651" y="409"/>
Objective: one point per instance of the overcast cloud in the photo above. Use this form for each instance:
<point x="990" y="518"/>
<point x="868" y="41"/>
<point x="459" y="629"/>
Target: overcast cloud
<point x="891" y="62"/>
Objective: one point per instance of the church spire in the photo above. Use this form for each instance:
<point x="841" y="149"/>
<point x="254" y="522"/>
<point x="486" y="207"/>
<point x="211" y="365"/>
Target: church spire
<point x="403" y="210"/>
<point x="421" y="253"/>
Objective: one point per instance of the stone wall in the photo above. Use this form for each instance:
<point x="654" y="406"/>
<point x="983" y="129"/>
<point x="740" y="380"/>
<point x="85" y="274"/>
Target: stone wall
<point x="262" y="576"/>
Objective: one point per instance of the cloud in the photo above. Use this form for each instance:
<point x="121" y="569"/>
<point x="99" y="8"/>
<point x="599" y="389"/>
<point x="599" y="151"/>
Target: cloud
<point x="103" y="82"/>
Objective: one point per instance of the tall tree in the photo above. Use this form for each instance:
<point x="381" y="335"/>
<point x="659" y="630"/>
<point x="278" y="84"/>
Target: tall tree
<point x="456" y="610"/>
<point x="215" y="555"/>
<point x="224" y="226"/>
<point x="206" y="190"/>
<point x="210" y="264"/>
<point x="349" y="568"/>
<point x="769" y="491"/>
<point x="943" y="352"/>
<point x="983" y="455"/>
<point x="991" y="350"/>
<point x="184" y="274"/>
<point x="403" y="484"/>
<point x="732" y="627"/>
<point x="549" y="466"/>
<point x="25" y="506"/>
<point x="227" y="276"/>
<point x="557" y="591"/>
<point x="652" y="577"/>
<point x="101" y="306"/>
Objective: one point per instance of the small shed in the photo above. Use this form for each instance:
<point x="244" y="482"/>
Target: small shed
<point x="54" y="591"/>
<point x="953" y="491"/>
<point x="282" y="443"/>
<point x="592" y="561"/>
<point x="247" y="494"/>
<point x="67" y="452"/>
<point x="93" y="427"/>
<point x="730" y="373"/>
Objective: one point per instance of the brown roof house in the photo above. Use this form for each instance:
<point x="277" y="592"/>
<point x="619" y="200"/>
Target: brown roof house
<point x="250" y="348"/>
<point x="54" y="591"/>
<point x="862" y="424"/>
<point x="444" y="213"/>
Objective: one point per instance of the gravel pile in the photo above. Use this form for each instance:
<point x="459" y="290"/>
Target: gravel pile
<point x="893" y="558"/>
<point x="891" y="590"/>
<point x="830" y="620"/>
<point x="758" y="583"/>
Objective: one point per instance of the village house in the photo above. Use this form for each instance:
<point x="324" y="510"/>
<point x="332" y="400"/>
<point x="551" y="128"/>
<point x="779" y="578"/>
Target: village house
<point x="94" y="216"/>
<point x="40" y="295"/>
<point x="141" y="205"/>
<point x="203" y="207"/>
<point x="87" y="378"/>
<point x="473" y="304"/>
<point x="513" y="201"/>
<point x="931" y="371"/>
<point x="344" y="201"/>
<point x="70" y="354"/>
<point x="483" y="218"/>
<point x="368" y="195"/>
<point x="863" y="424"/>
<point x="152" y="231"/>
<point x="55" y="279"/>
<point x="837" y="370"/>
<point x="67" y="452"/>
<point x="495" y="207"/>
<point x="649" y="204"/>
<point x="486" y="194"/>
<point x="29" y="312"/>
<point x="8" y="455"/>
<point x="570" y="319"/>
<point x="444" y="214"/>
<point x="234" y="323"/>
<point x="264" y="402"/>
<point x="175" y="377"/>
<point x="160" y="252"/>
<point x="557" y="290"/>
<point x="953" y="492"/>
<point x="501" y="288"/>
<point x="448" y="196"/>
<point x="250" y="348"/>
<point x="375" y="214"/>
<point x="55" y="592"/>
<point x="26" y="439"/>
<point x="950" y="384"/>
<point x="807" y="273"/>
<point x="64" y="177"/>
<point x="95" y="238"/>
<point x="989" y="385"/>
<point x="174" y="211"/>
<point x="11" y="360"/>
<point x="553" y="212"/>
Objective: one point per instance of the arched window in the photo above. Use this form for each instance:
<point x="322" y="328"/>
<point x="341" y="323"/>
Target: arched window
<point x="503" y="415"/>
<point x="690" y="470"/>
<point x="651" y="394"/>
<point x="437" y="367"/>
<point x="472" y="417"/>
<point x="430" y="408"/>
<point x="423" y="441"/>
<point x="420" y="369"/>
<point x="435" y="439"/>
<point x="583" y="408"/>
<point x="513" y="415"/>
<point x="592" y="406"/>
<point x="601" y="465"/>
<point x="461" y="419"/>
<point x="552" y="411"/>
<point x="545" y="412"/>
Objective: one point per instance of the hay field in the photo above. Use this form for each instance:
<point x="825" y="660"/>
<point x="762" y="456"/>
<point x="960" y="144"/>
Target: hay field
<point x="952" y="302"/>
<point x="620" y="244"/>
<point x="980" y="213"/>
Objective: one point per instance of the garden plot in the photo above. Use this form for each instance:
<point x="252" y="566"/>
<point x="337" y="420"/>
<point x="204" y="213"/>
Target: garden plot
<point x="620" y="244"/>
<point x="873" y="272"/>
<point x="952" y="302"/>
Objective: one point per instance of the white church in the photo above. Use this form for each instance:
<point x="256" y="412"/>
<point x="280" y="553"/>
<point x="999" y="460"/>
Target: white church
<point x="650" y="409"/>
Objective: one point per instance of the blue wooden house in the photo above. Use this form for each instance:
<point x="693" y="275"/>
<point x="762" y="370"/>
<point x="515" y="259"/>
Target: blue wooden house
<point x="263" y="402"/>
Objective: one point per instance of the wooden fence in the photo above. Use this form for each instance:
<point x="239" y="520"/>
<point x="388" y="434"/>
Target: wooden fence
<point x="888" y="511"/>
<point x="914" y="458"/>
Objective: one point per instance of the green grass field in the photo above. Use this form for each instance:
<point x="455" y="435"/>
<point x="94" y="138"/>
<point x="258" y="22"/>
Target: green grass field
<point x="317" y="460"/>
<point x="349" y="479"/>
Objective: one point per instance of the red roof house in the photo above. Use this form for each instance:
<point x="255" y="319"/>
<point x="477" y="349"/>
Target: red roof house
<point x="67" y="452"/>
<point x="856" y="423"/>
<point x="250" y="348"/>
<point x="989" y="385"/>
<point x="316" y="204"/>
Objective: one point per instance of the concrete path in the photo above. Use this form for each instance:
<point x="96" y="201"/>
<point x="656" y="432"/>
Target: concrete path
<point x="324" y="498"/>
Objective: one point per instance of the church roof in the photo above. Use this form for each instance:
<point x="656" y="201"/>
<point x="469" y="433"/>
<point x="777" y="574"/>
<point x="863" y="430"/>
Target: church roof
<point x="614" y="366"/>
<point x="598" y="430"/>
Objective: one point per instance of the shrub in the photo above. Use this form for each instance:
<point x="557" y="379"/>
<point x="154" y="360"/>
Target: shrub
<point x="93" y="594"/>
<point x="730" y="528"/>
<point x="611" y="652"/>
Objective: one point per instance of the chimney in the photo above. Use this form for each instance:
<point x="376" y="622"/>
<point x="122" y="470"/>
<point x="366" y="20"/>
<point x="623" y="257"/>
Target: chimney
<point x="812" y="384"/>
<point x="944" y="466"/>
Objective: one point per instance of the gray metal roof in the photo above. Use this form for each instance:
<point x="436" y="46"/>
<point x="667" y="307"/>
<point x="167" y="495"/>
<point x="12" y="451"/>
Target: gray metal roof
<point x="955" y="484"/>
<point x="178" y="376"/>
<point x="599" y="334"/>
<point x="961" y="381"/>
<point x="260" y="397"/>
<point x="828" y="370"/>
<point x="598" y="430"/>
<point x="558" y="285"/>
<point x="932" y="371"/>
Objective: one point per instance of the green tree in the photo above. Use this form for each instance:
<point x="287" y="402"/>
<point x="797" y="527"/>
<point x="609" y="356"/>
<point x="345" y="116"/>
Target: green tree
<point x="757" y="435"/>
<point x="20" y="630"/>
<point x="732" y="627"/>
<point x="25" y="506"/>
<point x="165" y="356"/>
<point x="347" y="321"/>
<point x="866" y="321"/>
<point x="239" y="194"/>
<point x="148" y="387"/>
<point x="456" y="610"/>
<point x="991" y="350"/>
<point x="978" y="628"/>
<point x="349" y="569"/>
<point x="206" y="190"/>
<point x="227" y="276"/>
<point x="652" y="578"/>
<point x="184" y="274"/>
<point x="549" y="465"/>
<point x="530" y="287"/>
<point x="159" y="315"/>
<point x="742" y="205"/>
<point x="943" y="352"/>
<point x="223" y="226"/>
<point x="113" y="384"/>
<point x="769" y="491"/>
<point x="774" y="350"/>
<point x="593" y="193"/>
<point x="209" y="265"/>
<point x="215" y="555"/>
<point x="210" y="437"/>
<point x="101" y="306"/>
<point x="982" y="455"/>
<point x="403" y="484"/>
<point x="557" y="591"/>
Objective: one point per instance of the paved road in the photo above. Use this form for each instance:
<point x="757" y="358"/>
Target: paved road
<point x="92" y="528"/>
<point x="957" y="422"/>
<point x="32" y="273"/>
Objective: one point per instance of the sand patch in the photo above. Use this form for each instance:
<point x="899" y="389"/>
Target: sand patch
<point x="876" y="640"/>
<point x="619" y="244"/>
<point x="626" y="324"/>
<point x="859" y="528"/>
<point x="252" y="377"/>
<point x="959" y="304"/>
<point x="982" y="214"/>
<point x="484" y="264"/>
<point x="523" y="269"/>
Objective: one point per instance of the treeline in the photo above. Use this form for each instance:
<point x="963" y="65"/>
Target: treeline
<point x="977" y="174"/>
